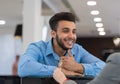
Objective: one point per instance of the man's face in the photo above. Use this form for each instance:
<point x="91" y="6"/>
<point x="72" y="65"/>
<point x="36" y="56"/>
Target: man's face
<point x="65" y="34"/>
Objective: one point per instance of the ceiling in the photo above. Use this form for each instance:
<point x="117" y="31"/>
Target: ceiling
<point x="11" y="11"/>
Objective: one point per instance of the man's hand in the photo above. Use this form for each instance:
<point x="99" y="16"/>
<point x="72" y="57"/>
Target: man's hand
<point x="70" y="64"/>
<point x="70" y="73"/>
<point x="59" y="76"/>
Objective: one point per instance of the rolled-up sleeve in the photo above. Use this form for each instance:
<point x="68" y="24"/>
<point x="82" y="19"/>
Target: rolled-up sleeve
<point x="29" y="67"/>
<point x="94" y="68"/>
<point x="92" y="65"/>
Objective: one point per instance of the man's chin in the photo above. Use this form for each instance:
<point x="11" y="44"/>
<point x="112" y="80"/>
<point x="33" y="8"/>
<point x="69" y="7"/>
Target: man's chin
<point x="69" y="47"/>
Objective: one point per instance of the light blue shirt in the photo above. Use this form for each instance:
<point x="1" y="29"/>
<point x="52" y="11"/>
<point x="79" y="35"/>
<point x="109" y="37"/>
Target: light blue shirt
<point x="41" y="60"/>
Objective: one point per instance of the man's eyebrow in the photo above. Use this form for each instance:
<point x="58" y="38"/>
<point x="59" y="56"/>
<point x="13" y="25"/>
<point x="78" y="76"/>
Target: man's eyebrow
<point x="68" y="28"/>
<point x="75" y="29"/>
<point x="65" y="28"/>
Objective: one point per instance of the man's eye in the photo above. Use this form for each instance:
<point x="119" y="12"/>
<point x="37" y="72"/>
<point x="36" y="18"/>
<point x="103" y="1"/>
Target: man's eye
<point x="65" y="30"/>
<point x="74" y="32"/>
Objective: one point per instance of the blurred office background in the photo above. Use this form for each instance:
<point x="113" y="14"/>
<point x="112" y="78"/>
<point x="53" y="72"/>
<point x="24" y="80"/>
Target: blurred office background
<point x="26" y="21"/>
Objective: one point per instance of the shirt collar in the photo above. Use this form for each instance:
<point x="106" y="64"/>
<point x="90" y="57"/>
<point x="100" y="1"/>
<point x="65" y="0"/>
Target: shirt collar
<point x="49" y="48"/>
<point x="73" y="52"/>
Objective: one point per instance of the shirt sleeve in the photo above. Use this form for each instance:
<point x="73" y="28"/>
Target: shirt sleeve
<point x="29" y="65"/>
<point x="92" y="65"/>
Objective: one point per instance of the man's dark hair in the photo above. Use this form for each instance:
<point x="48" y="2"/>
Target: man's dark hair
<point x="67" y="16"/>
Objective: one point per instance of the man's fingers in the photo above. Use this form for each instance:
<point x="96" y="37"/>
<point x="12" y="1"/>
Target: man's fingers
<point x="78" y="74"/>
<point x="63" y="58"/>
<point x="69" y="53"/>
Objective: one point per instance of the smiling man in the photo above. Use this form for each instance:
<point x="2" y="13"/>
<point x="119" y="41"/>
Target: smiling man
<point x="42" y="58"/>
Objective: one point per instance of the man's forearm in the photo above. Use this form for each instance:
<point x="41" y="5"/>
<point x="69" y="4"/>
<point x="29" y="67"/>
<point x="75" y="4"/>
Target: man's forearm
<point x="79" y="68"/>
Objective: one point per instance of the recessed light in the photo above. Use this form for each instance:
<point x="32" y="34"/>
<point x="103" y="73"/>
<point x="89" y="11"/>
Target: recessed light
<point x="91" y="3"/>
<point x="100" y="29"/>
<point x="99" y="25"/>
<point x="97" y="19"/>
<point x="2" y="22"/>
<point x="102" y="33"/>
<point x="94" y="12"/>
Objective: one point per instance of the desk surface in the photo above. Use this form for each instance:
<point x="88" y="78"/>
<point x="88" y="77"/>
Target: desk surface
<point x="39" y="80"/>
<point x="50" y="80"/>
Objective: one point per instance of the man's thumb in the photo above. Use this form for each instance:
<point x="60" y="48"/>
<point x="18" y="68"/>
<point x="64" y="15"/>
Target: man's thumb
<point x="69" y="53"/>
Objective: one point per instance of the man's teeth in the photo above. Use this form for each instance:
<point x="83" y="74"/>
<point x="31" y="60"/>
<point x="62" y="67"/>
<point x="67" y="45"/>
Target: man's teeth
<point x="69" y="42"/>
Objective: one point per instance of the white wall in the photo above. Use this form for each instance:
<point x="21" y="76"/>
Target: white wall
<point x="7" y="50"/>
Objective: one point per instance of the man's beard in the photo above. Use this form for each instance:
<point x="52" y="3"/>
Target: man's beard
<point x="60" y="43"/>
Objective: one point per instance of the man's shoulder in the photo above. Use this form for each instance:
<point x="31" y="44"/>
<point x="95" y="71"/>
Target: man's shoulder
<point x="40" y="43"/>
<point x="77" y="45"/>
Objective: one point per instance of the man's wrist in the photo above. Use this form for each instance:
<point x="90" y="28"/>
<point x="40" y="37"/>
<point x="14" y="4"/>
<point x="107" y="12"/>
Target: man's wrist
<point x="79" y="68"/>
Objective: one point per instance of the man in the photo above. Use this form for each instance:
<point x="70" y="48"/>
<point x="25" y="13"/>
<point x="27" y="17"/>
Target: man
<point x="109" y="75"/>
<point x="42" y="58"/>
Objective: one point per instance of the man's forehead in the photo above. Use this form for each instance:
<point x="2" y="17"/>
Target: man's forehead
<point x="66" y="24"/>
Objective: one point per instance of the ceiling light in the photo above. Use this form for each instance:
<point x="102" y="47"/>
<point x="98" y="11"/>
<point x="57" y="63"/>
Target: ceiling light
<point x="94" y="12"/>
<point x="97" y="19"/>
<point x="100" y="29"/>
<point x="2" y="22"/>
<point x="102" y="33"/>
<point x="116" y="41"/>
<point x="91" y="3"/>
<point x="99" y="25"/>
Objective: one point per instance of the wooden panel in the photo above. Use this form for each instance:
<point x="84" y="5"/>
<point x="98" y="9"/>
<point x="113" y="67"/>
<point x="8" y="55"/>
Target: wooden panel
<point x="96" y="45"/>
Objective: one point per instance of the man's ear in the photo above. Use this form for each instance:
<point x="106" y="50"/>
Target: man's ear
<point x="53" y="34"/>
